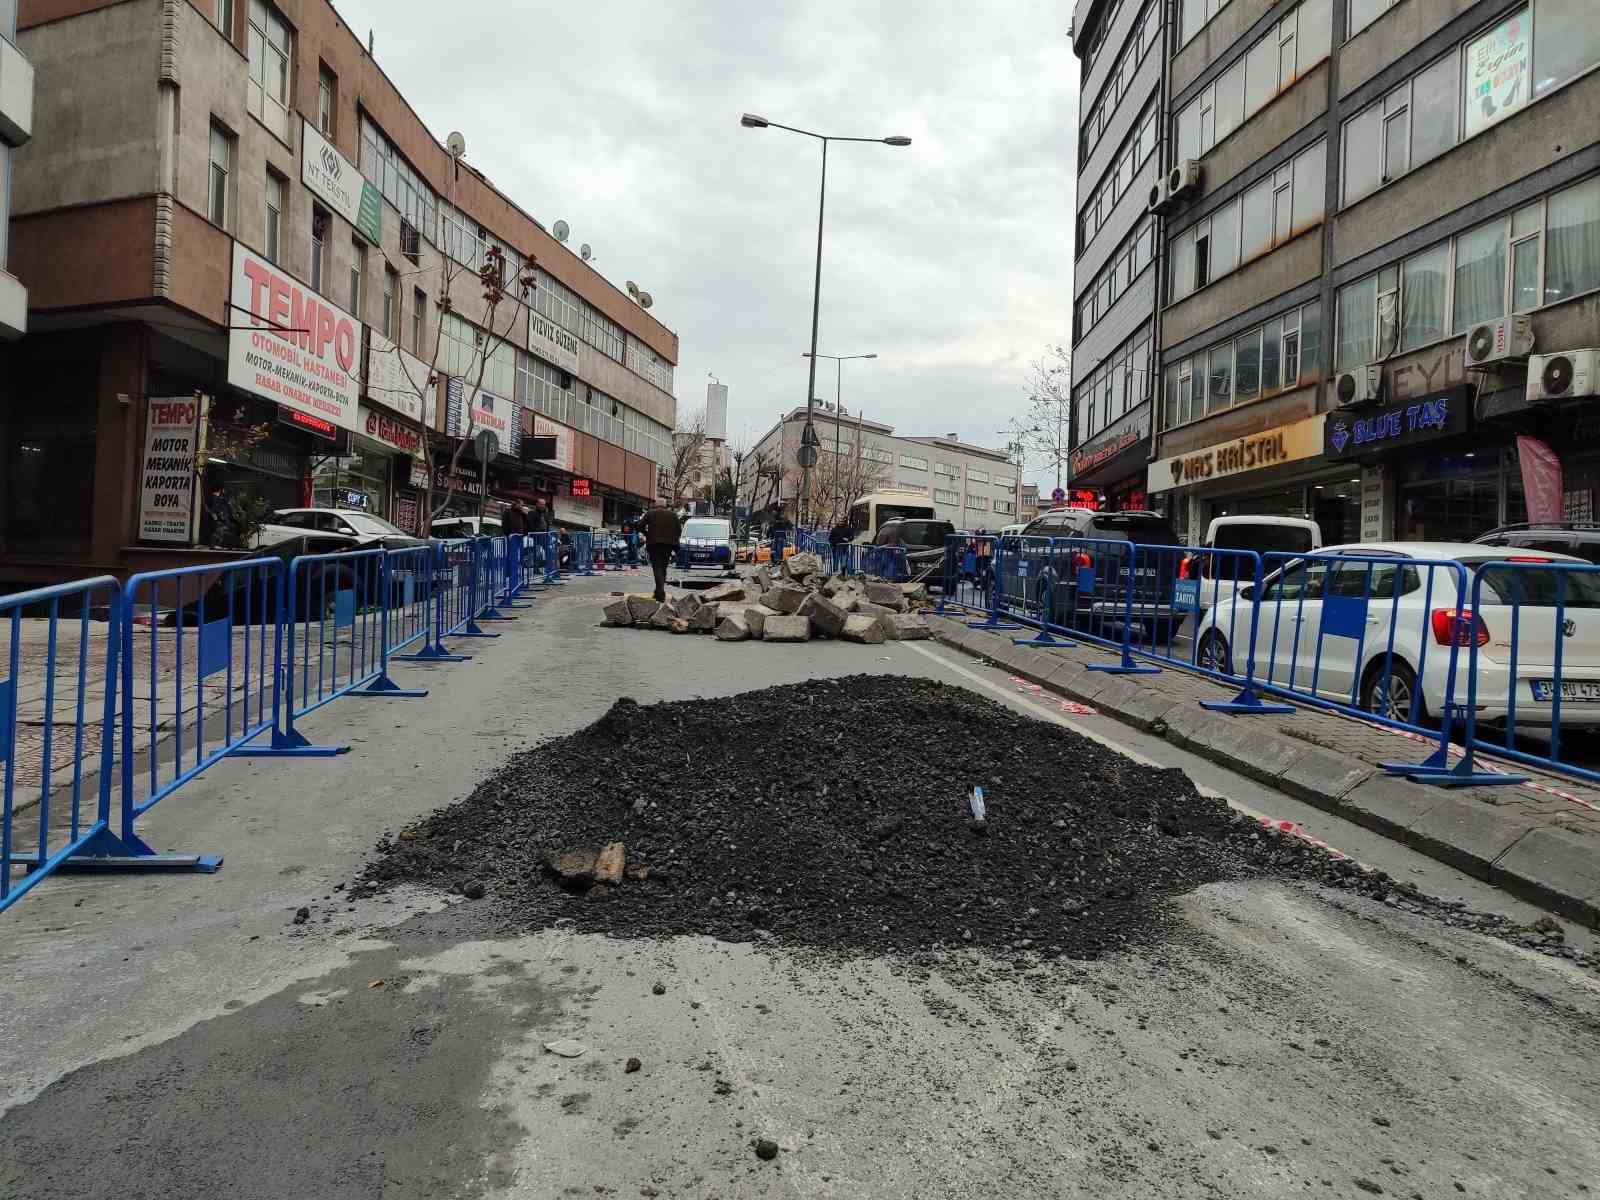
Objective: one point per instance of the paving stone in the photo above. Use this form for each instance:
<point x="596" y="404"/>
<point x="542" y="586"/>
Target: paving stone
<point x="755" y="617"/>
<point x="733" y="627"/>
<point x="642" y="608"/>
<point x="663" y="618"/>
<point x="1390" y="804"/>
<point x="784" y="598"/>
<point x="1467" y="834"/>
<point x="786" y="629"/>
<point x="858" y="628"/>
<point x="1558" y="865"/>
<point x="723" y="591"/>
<point x="827" y="618"/>
<point x="903" y="627"/>
<point x="618" y="612"/>
<point x="705" y="618"/>
<point x="1322" y="777"/>
<point x="887" y="594"/>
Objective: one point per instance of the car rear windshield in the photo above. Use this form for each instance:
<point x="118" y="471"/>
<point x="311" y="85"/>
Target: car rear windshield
<point x="713" y="530"/>
<point x="1142" y="531"/>
<point x="897" y="512"/>
<point x="1264" y="539"/>
<point x="924" y="533"/>
<point x="1540" y="587"/>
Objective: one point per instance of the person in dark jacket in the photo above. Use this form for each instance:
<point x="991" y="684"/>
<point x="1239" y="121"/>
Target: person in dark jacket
<point x="538" y="526"/>
<point x="663" y="529"/>
<point x="780" y="539"/>
<point x="839" y="539"/>
<point x="515" y="519"/>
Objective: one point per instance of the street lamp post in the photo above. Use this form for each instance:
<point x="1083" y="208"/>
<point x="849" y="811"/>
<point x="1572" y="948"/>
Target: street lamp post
<point x="751" y="121"/>
<point x="838" y="402"/>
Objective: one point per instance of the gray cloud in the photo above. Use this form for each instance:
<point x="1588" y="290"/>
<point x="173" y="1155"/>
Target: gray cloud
<point x="951" y="259"/>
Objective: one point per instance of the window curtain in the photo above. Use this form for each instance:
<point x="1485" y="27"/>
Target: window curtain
<point x="1480" y="276"/>
<point x="1422" y="298"/>
<point x="1572" y="242"/>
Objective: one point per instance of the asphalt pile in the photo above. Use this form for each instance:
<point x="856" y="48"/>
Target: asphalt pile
<point x="839" y="814"/>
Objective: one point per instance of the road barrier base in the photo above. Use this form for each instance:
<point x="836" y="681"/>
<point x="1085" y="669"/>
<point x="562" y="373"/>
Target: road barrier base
<point x="1247" y="701"/>
<point x="992" y="623"/>
<point x="1044" y="638"/>
<point x="205" y="864"/>
<point x="471" y="630"/>
<point x="384" y="686"/>
<point x="431" y="654"/>
<point x="292" y="744"/>
<point x="1124" y="668"/>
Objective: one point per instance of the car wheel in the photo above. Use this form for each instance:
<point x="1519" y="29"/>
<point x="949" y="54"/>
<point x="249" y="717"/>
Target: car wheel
<point x="1213" y="653"/>
<point x="1390" y="695"/>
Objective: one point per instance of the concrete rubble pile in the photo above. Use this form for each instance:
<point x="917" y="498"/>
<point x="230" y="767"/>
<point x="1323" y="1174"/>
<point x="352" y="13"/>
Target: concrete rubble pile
<point x="803" y="602"/>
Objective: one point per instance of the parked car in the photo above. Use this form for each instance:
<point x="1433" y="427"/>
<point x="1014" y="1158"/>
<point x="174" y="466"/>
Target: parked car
<point x="1325" y="630"/>
<point x="924" y="542"/>
<point x="1086" y="582"/>
<point x="293" y="522"/>
<point x="1208" y="579"/>
<point x="465" y="527"/>
<point x="1013" y="530"/>
<point x="1579" y="538"/>
<point x="317" y="584"/>
<point x="707" y="542"/>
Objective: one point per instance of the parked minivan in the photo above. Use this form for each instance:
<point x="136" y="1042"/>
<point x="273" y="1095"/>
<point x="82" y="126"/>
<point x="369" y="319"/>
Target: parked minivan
<point x="1208" y="580"/>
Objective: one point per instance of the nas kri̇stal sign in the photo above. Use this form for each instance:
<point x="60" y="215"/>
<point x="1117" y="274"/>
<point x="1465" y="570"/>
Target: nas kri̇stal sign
<point x="167" y="472"/>
<point x="290" y="345"/>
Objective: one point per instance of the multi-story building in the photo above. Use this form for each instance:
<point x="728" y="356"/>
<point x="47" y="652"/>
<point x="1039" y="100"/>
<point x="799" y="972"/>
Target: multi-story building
<point x="16" y="125"/>
<point x="1027" y="502"/>
<point x="1121" y="46"/>
<point x="230" y="200"/>
<point x="970" y="486"/>
<point x="1381" y="202"/>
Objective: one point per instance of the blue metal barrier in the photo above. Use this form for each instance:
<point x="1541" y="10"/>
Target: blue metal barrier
<point x="583" y="552"/>
<point x="445" y="592"/>
<point x="493" y="575"/>
<point x="552" y="558"/>
<point x="68" y="695"/>
<point x="410" y="615"/>
<point x="334" y="617"/>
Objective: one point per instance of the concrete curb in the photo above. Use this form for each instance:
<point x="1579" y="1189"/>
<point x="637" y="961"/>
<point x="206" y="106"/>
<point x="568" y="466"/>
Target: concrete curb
<point x="1541" y="863"/>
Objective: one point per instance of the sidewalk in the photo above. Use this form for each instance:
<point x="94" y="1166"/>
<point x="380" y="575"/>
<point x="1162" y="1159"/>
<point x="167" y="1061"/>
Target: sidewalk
<point x="1540" y="839"/>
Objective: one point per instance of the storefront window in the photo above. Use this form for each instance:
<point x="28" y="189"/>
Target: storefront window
<point x="1457" y="497"/>
<point x="360" y="482"/>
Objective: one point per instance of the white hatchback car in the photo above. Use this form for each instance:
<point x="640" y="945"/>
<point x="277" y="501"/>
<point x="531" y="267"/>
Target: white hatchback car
<point x="1326" y="623"/>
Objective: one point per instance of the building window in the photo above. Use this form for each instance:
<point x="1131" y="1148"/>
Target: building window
<point x="977" y="476"/>
<point x="1138" y="146"/>
<point x="978" y="503"/>
<point x="1129" y="261"/>
<point x="942" y="468"/>
<point x="410" y="241"/>
<point x="274" y="231"/>
<point x="1480" y="275"/>
<point x="270" y="50"/>
<point x="1279" y="355"/>
<point x="913" y="463"/>
<point x="218" y="203"/>
<point x="327" y="94"/>
<point x="392" y="175"/>
<point x="944" y="496"/>
<point x="1120" y="78"/>
<point x="391" y="285"/>
<point x="222" y="11"/>
<point x="1005" y="507"/>
<point x="419" y="320"/>
<point x="1364" y="12"/>
<point x="358" y="269"/>
<point x="319" y="245"/>
<point x="1282" y="55"/>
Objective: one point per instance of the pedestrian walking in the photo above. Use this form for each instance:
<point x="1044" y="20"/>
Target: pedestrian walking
<point x="536" y="539"/>
<point x="839" y="539"/>
<point x="515" y="519"/>
<point x="780" y="539"/>
<point x="663" y="530"/>
<point x="985" y="564"/>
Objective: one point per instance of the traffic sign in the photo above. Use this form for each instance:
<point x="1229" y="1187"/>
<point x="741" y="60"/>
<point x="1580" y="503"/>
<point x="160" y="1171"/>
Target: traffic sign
<point x="809" y="437"/>
<point x="1057" y="496"/>
<point x="486" y="445"/>
<point x="808" y="456"/>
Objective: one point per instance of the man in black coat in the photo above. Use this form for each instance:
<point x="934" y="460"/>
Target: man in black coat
<point x="663" y="529"/>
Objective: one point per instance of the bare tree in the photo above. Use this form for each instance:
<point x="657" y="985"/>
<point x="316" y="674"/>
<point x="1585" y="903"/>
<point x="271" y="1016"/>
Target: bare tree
<point x="839" y="480"/>
<point x="688" y="451"/>
<point x="764" y="470"/>
<point x="1041" y="434"/>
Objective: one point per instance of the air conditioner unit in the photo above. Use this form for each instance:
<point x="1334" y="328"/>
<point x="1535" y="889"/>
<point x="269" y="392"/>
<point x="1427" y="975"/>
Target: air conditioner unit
<point x="1351" y="389"/>
<point x="1564" y="376"/>
<point x="1159" y="201"/>
<point x="1508" y="339"/>
<point x="1183" y="181"/>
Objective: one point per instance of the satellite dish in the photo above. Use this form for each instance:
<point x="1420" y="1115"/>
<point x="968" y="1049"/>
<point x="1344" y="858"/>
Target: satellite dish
<point x="633" y="289"/>
<point x="586" y="252"/>
<point x="456" y="144"/>
<point x="645" y="300"/>
<point x="561" y="230"/>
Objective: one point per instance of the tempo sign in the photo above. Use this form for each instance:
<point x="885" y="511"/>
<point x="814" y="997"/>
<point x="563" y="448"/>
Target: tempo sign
<point x="167" y="473"/>
<point x="289" y="344"/>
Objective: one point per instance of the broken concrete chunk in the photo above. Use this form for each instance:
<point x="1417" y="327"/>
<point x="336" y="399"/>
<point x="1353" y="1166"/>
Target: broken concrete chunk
<point x="663" y="618"/>
<point x="858" y="628"/>
<point x="705" y="618"/>
<point x="904" y="627"/>
<point x="566" y="1048"/>
<point x="802" y="566"/>
<point x="887" y="594"/>
<point x="826" y="617"/>
<point x="618" y="612"/>
<point x="915" y="593"/>
<point x="787" y="629"/>
<point x="755" y="616"/>
<point x="609" y="862"/>
<point x="685" y="606"/>
<point x="678" y="625"/>
<point x="868" y="609"/>
<point x="642" y="608"/>
<point x="784" y="598"/>
<point x="763" y="578"/>
<point x="575" y="868"/>
<point x="733" y="628"/>
<point x="729" y="591"/>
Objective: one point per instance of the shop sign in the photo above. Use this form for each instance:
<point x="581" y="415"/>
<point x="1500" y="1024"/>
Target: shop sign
<point x="391" y="431"/>
<point x="551" y="342"/>
<point x="563" y="457"/>
<point x="1105" y="446"/>
<point x="469" y="411"/>
<point x="1372" y="498"/>
<point x="581" y="487"/>
<point x="1497" y="73"/>
<point x="288" y="344"/>
<point x="663" y="484"/>
<point x="336" y="180"/>
<point x="419" y="474"/>
<point x="443" y="481"/>
<point x="577" y="512"/>
<point x="1270" y="448"/>
<point x="398" y="379"/>
<point x="1361" y="433"/>
<point x="167" y="478"/>
<point x="326" y="430"/>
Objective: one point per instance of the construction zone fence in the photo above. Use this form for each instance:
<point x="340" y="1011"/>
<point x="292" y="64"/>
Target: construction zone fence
<point x="116" y="695"/>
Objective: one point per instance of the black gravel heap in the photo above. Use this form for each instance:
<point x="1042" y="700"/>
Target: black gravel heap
<point x="835" y="814"/>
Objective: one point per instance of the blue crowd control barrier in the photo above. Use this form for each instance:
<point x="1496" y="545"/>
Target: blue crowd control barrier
<point x="202" y="652"/>
<point x="445" y="600"/>
<point x="513" y="582"/>
<point x="460" y="565"/>
<point x="583" y="552"/>
<point x="69" y="696"/>
<point x="493" y="577"/>
<point x="335" y="625"/>
<point x="409" y="618"/>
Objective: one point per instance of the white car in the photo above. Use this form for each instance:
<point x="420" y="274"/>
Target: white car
<point x="1325" y="630"/>
<point x="1205" y="580"/>
<point x="295" y="522"/>
<point x="707" y="544"/>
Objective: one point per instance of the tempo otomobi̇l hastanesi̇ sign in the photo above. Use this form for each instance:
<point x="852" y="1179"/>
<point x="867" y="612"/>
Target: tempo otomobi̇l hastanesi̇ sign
<point x="291" y="345"/>
<point x="167" y="471"/>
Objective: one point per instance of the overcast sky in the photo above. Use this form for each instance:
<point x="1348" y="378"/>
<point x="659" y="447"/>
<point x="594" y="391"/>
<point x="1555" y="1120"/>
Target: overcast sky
<point x="950" y="259"/>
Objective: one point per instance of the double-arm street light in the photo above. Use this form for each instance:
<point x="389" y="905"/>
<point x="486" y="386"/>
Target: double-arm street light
<point x="838" y="403"/>
<point x="751" y="121"/>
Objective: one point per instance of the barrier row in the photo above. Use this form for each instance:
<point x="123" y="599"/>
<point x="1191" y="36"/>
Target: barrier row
<point x="116" y="695"/>
<point x="1493" y="654"/>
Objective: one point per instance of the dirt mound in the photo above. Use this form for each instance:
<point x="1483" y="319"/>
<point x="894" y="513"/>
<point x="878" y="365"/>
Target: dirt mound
<point x="837" y="813"/>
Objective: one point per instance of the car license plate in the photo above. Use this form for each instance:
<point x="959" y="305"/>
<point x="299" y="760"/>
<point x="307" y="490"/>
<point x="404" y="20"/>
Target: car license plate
<point x="1578" y="691"/>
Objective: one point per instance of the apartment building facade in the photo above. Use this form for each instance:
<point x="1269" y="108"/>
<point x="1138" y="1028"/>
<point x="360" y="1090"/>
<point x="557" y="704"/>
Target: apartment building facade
<point x="229" y="199"/>
<point x="970" y="486"/>
<point x="16" y="127"/>
<point x="1390" y="214"/>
